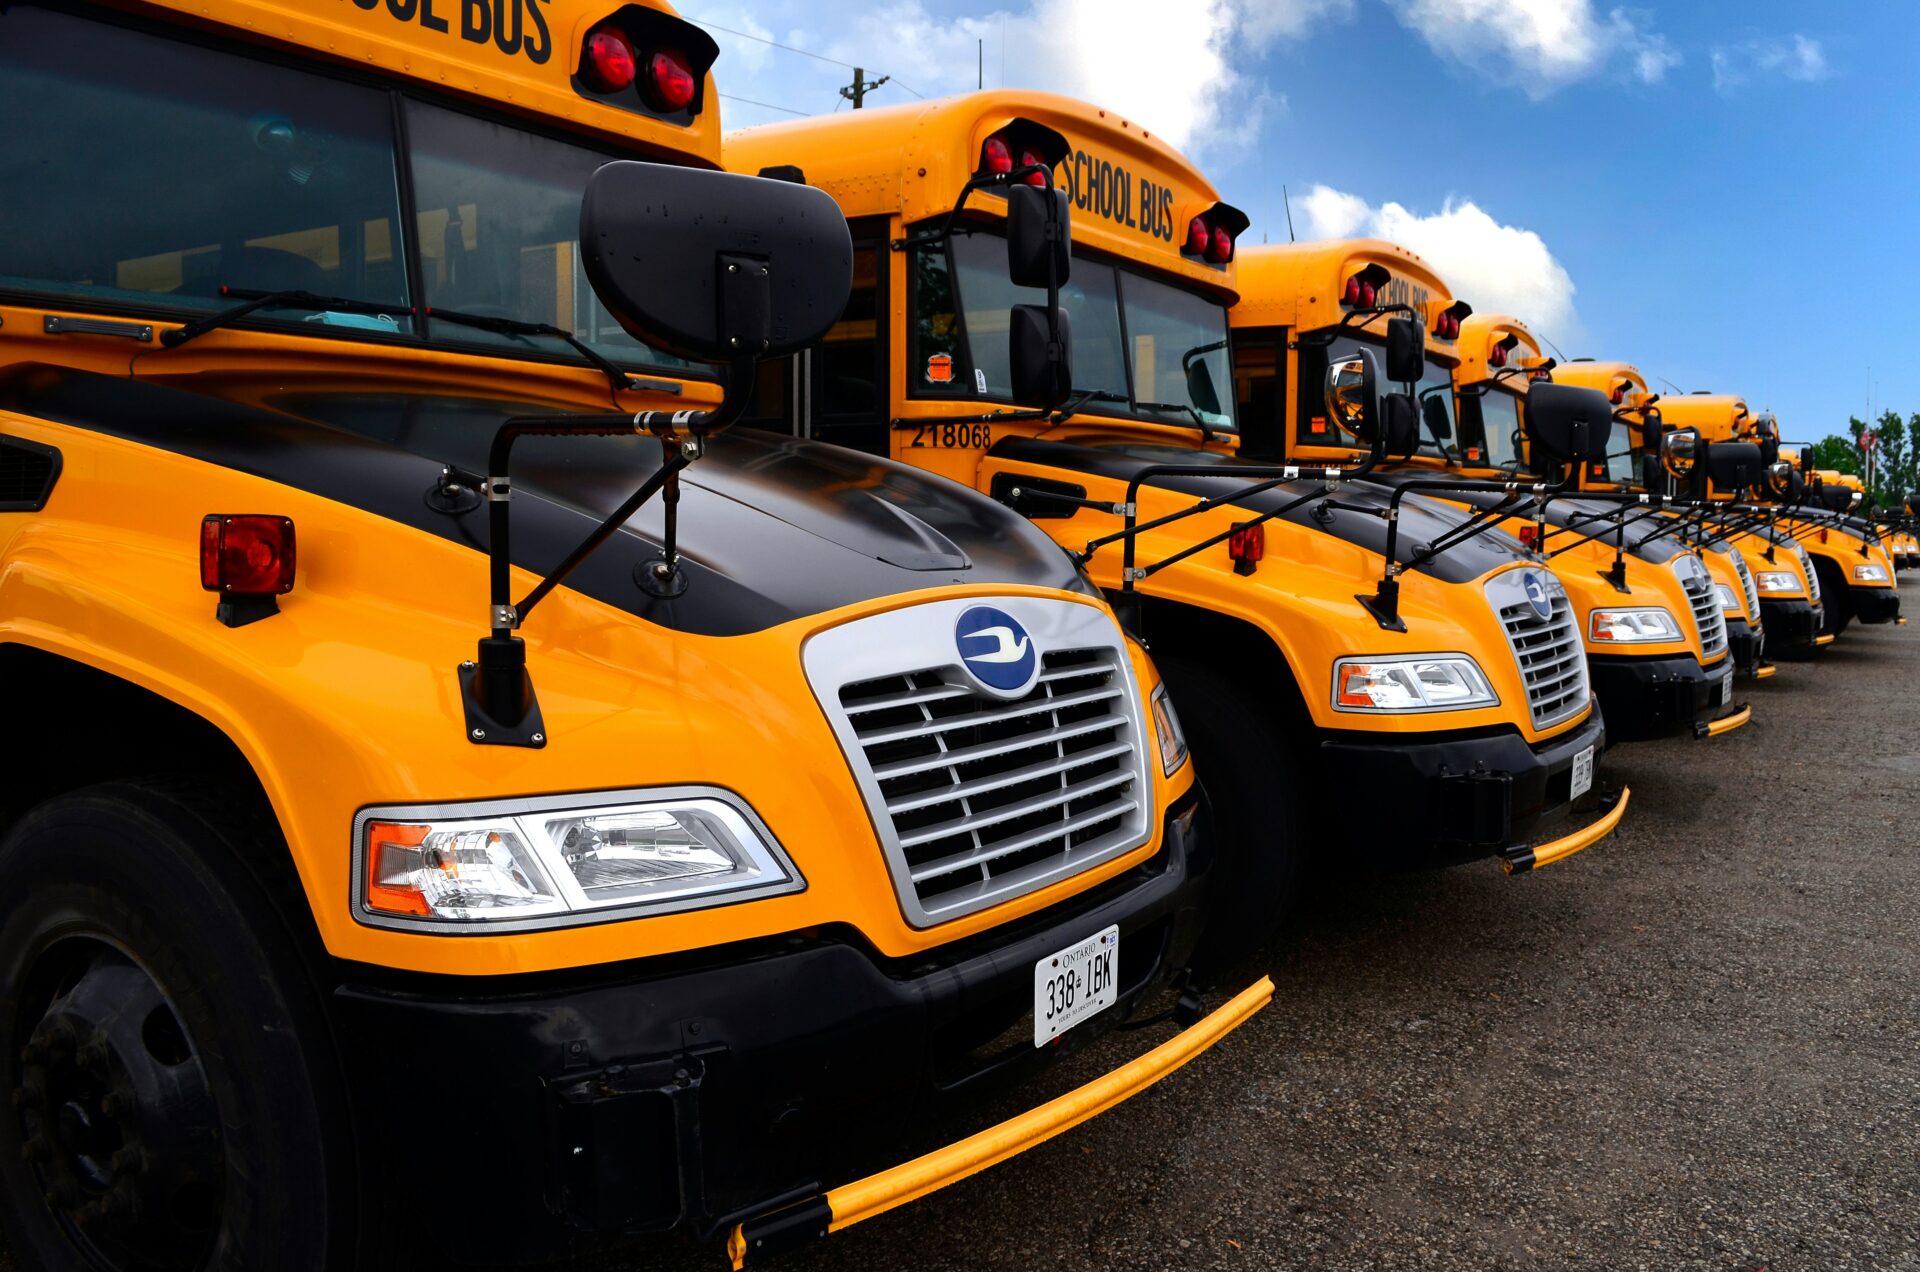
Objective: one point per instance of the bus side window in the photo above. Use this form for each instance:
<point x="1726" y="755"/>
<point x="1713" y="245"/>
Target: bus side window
<point x="1311" y="426"/>
<point x="1260" y="385"/>
<point x="936" y="362"/>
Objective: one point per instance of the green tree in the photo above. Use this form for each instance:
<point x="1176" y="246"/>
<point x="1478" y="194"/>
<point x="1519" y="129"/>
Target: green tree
<point x="1839" y="453"/>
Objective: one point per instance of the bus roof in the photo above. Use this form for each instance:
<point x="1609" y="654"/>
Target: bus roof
<point x="513" y="55"/>
<point x="1609" y="377"/>
<point x="1719" y="417"/>
<point x="1299" y="285"/>
<point x="1132" y="194"/>
<point x="1478" y="335"/>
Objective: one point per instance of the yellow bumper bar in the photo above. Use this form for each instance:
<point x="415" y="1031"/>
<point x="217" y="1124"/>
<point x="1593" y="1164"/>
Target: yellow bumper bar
<point x="876" y="1194"/>
<point x="1767" y="672"/>
<point x="1824" y="640"/>
<point x="1546" y="854"/>
<point x="1725" y="724"/>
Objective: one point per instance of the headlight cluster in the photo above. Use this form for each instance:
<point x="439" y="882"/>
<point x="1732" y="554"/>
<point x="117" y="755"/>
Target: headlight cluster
<point x="1729" y="600"/>
<point x="521" y="864"/>
<point x="1777" y="581"/>
<point x="1173" y="740"/>
<point x="1869" y="574"/>
<point x="1630" y="626"/>
<point x="1425" y="682"/>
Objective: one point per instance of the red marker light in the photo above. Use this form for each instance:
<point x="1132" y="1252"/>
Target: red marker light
<point x="996" y="157"/>
<point x="1497" y="356"/>
<point x="608" y="64"/>
<point x="1247" y="547"/>
<point x="1029" y="159"/>
<point x="670" y="80"/>
<point x="1198" y="238"/>
<point x="1220" y="249"/>
<point x="246" y="555"/>
<point x="1530" y="535"/>
<point x="1351" y="296"/>
<point x="1367" y="295"/>
<point x="1618" y="395"/>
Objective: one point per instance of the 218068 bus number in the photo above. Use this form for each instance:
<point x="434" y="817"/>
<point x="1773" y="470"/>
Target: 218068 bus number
<point x="954" y="436"/>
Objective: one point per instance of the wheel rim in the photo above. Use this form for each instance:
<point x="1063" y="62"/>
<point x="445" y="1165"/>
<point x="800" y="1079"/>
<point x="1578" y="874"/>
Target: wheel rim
<point x="118" y="1121"/>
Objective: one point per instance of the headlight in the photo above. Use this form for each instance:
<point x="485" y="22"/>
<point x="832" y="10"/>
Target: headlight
<point x="1777" y="581"/>
<point x="1166" y="723"/>
<point x="1627" y="626"/>
<point x="1869" y="574"/>
<point x="1728" y="601"/>
<point x="521" y="864"/>
<point x="1426" y="682"/>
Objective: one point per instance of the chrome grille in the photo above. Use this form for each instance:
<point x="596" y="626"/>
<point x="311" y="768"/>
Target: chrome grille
<point x="1708" y="619"/>
<point x="1813" y="575"/>
<point x="1747" y="588"/>
<point x="978" y="798"/>
<point x="1549" y="652"/>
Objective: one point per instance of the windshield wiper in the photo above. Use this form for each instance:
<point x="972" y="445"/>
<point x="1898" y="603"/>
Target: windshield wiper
<point x="289" y="298"/>
<point x="616" y="378"/>
<point x="1182" y="408"/>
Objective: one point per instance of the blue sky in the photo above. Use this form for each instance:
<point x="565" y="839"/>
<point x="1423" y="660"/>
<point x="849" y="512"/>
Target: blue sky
<point x="1679" y="185"/>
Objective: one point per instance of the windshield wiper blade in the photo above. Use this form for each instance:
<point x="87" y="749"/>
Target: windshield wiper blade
<point x="1182" y="408"/>
<point x="288" y="298"/>
<point x="617" y="378"/>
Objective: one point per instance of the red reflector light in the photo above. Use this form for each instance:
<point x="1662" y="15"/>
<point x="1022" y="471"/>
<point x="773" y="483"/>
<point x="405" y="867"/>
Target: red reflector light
<point x="1029" y="159"/>
<point x="670" y="80"/>
<point x="1351" y="296"/>
<point x="1367" y="295"/>
<point x="995" y="156"/>
<point x="1248" y="543"/>
<point x="1530" y="535"/>
<point x="1198" y="238"/>
<point x="608" y="65"/>
<point x="247" y="555"/>
<point x="1220" y="249"/>
<point x="1497" y="356"/>
<point x="1618" y="395"/>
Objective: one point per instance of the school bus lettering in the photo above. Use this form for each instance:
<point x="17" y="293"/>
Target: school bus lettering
<point x="1105" y="189"/>
<point x="514" y="26"/>
<point x="1400" y="291"/>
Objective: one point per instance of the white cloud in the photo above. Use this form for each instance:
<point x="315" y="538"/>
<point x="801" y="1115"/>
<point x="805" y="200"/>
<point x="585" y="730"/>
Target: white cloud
<point x="1176" y="69"/>
<point x="1496" y="268"/>
<point x="1793" y="57"/>
<point x="1539" y="46"/>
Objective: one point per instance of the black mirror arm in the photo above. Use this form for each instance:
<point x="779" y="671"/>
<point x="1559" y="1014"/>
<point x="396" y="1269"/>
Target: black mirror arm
<point x="1384" y="604"/>
<point x="982" y="181"/>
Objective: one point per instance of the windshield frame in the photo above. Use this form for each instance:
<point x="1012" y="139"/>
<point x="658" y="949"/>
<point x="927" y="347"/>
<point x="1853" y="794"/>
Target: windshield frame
<point x="1123" y="272"/>
<point x="422" y="332"/>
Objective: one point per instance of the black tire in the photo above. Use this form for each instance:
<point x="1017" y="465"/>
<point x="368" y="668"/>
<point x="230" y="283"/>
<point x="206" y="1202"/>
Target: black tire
<point x="222" y="1106"/>
<point x="1250" y="758"/>
<point x="1837" y="609"/>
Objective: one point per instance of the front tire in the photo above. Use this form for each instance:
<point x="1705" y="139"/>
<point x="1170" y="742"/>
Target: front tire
<point x="175" y="1102"/>
<point x="1251" y="764"/>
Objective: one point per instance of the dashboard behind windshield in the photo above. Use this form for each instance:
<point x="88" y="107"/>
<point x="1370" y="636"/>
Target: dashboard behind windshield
<point x="1142" y="347"/>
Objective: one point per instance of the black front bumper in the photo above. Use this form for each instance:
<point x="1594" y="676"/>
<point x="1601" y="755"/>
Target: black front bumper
<point x="1658" y="697"/>
<point x="1460" y="798"/>
<point x="1874" y="604"/>
<point x="573" y="1111"/>
<point x="1747" y="644"/>
<point x="1791" y="625"/>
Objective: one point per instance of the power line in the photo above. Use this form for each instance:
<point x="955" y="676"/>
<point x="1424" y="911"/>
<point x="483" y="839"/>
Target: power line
<point x="748" y="101"/>
<point x="818" y="57"/>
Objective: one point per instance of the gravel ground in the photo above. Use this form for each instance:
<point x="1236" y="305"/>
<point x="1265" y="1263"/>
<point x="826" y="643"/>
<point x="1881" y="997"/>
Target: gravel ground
<point x="1692" y="1046"/>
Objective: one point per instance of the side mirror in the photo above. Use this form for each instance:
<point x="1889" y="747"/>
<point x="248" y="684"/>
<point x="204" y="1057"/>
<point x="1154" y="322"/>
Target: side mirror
<point x="713" y="266"/>
<point x="1200" y="389"/>
<point x="1406" y="350"/>
<point x="1042" y="371"/>
<point x="1779" y="481"/>
<point x="1567" y="424"/>
<point x="1033" y="242"/>
<point x="1401" y="420"/>
<point x="1734" y="465"/>
<point x="1353" y="395"/>
<point x="1433" y="413"/>
<point x="1679" y="452"/>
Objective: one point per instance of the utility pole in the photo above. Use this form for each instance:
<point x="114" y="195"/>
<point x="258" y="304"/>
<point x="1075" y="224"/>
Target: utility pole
<point x="857" y="91"/>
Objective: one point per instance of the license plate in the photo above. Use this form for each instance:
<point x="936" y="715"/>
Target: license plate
<point x="1080" y="981"/>
<point x="1582" y="774"/>
<point x="1724" y="694"/>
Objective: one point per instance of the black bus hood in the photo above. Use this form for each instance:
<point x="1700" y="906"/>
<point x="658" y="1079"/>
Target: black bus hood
<point x="770" y="528"/>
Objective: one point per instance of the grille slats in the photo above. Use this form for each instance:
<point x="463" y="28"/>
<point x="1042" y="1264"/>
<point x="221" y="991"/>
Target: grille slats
<point x="1708" y="620"/>
<point x="1549" y="652"/>
<point x="1747" y="588"/>
<point x="978" y="798"/>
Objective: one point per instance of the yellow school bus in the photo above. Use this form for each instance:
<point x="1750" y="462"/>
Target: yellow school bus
<point x="1652" y="635"/>
<point x="484" y="780"/>
<point x="1783" y="584"/>
<point x="1458" y="727"/>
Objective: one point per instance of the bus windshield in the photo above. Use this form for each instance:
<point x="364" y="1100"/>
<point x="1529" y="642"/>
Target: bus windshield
<point x="1141" y="346"/>
<point x="1435" y="387"/>
<point x="1492" y="420"/>
<point x="165" y="171"/>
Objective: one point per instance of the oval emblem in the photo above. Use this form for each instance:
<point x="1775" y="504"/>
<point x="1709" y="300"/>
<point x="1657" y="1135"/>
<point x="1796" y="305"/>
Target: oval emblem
<point x="996" y="651"/>
<point x="1536" y="588"/>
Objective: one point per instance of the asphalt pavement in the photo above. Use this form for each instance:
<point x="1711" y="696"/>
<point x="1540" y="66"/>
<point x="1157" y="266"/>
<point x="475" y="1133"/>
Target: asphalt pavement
<point x="1692" y="1046"/>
